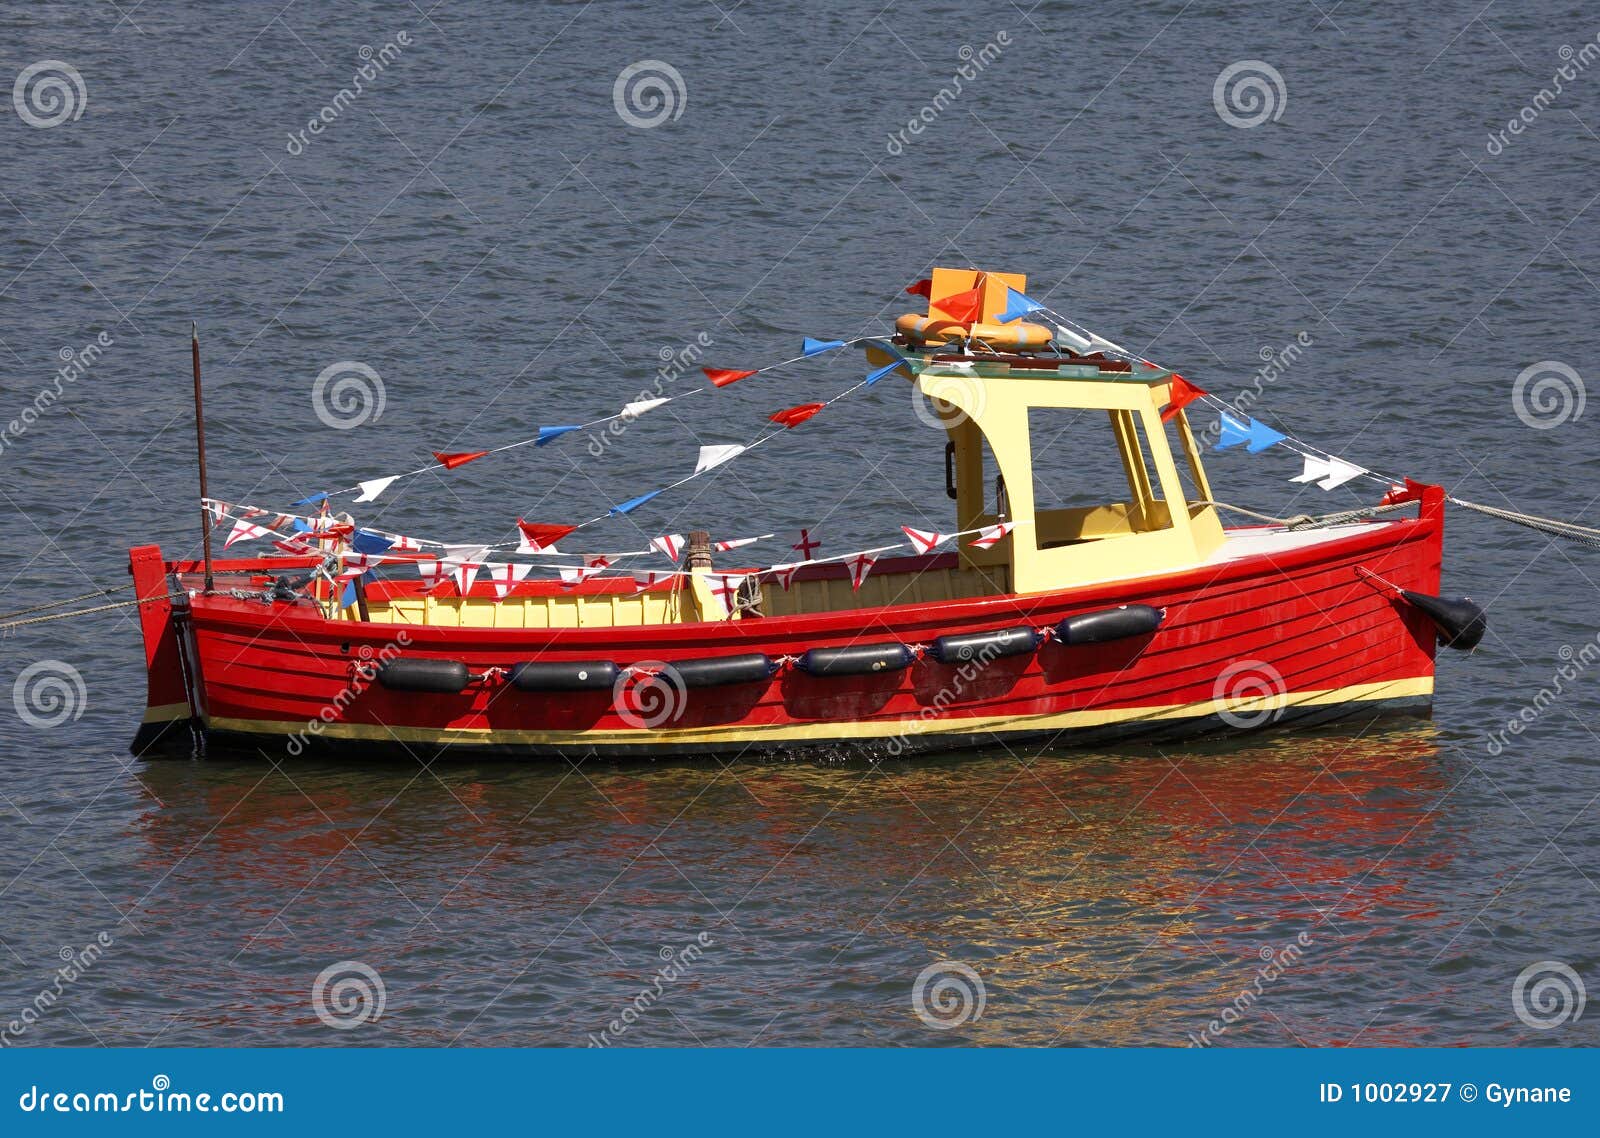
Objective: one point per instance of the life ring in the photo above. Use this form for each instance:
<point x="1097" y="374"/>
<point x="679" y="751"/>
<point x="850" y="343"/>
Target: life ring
<point x="1020" y="336"/>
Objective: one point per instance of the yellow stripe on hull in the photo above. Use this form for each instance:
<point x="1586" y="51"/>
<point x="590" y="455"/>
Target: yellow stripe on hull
<point x="838" y="730"/>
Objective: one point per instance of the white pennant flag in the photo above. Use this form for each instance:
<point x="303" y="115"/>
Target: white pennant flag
<point x="597" y="562"/>
<point x="572" y="577"/>
<point x="464" y="573"/>
<point x="860" y="566"/>
<point x="989" y="535"/>
<point x="643" y="581"/>
<point x="633" y="410"/>
<point x="433" y="573"/>
<point x="504" y="577"/>
<point x="1340" y="472"/>
<point x="784" y="575"/>
<point x="736" y="543"/>
<point x="925" y="540"/>
<point x="715" y="456"/>
<point x="465" y="553"/>
<point x="1315" y="468"/>
<point x="670" y="544"/>
<point x="216" y="509"/>
<point x="727" y="590"/>
<point x="244" y="531"/>
<point x="373" y="487"/>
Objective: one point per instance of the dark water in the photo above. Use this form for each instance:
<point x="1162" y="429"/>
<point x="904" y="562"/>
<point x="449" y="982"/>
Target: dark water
<point x="482" y="229"/>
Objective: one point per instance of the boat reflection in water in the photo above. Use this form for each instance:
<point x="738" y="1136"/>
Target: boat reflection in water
<point x="1110" y="897"/>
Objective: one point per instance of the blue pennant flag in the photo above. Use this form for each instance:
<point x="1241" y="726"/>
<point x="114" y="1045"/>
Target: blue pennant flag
<point x="1017" y="306"/>
<point x="632" y="503"/>
<point x="812" y="347"/>
<point x="348" y="597"/>
<point x="548" y="433"/>
<point x="883" y="371"/>
<point x="1256" y="434"/>
<point x="298" y="525"/>
<point x="311" y="501"/>
<point x="367" y="541"/>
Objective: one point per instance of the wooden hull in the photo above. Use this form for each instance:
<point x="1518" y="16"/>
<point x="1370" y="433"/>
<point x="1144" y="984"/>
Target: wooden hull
<point x="1274" y="638"/>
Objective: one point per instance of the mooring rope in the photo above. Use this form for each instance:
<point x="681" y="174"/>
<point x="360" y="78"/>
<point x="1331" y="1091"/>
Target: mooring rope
<point x="7" y="626"/>
<point x="1572" y="531"/>
<point x="67" y="601"/>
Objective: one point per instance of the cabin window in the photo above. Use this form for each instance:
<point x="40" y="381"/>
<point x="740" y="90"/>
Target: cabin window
<point x="1093" y="476"/>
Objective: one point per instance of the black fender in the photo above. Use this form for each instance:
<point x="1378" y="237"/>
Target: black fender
<point x="564" y="675"/>
<point x="404" y="674"/>
<point x="969" y="646"/>
<point x="856" y="659"/>
<point x="1109" y="624"/>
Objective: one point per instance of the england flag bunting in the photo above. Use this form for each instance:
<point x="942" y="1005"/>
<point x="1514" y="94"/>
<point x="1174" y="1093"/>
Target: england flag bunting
<point x="357" y="564"/>
<point x="433" y="573"/>
<point x="784" y="575"/>
<point x="736" y="543"/>
<point x="860" y="565"/>
<point x="294" y="545"/>
<point x="596" y="562"/>
<point x="805" y="545"/>
<point x="245" y="531"/>
<point x="669" y="544"/>
<point x="463" y="573"/>
<point x="504" y="577"/>
<point x="989" y="535"/>
<point x="217" y="510"/>
<point x="643" y="581"/>
<point x="727" y="589"/>
<point x="925" y="540"/>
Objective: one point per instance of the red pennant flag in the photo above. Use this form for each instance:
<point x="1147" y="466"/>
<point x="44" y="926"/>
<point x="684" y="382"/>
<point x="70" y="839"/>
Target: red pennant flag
<point x="721" y="377"/>
<point x="540" y="537"/>
<point x="921" y="288"/>
<point x="1183" y="394"/>
<point x="967" y="307"/>
<point x="451" y="461"/>
<point x="805" y="545"/>
<point x="792" y="417"/>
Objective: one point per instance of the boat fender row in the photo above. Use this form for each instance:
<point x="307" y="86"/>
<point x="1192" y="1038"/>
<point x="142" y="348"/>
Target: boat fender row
<point x="1109" y="624"/>
<point x="856" y="659"/>
<point x="452" y="676"/>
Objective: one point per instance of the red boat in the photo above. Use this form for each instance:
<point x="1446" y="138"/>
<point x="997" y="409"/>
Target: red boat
<point x="1140" y="617"/>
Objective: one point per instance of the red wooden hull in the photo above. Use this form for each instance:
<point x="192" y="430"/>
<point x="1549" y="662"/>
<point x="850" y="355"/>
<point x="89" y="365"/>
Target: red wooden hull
<point x="1301" y="625"/>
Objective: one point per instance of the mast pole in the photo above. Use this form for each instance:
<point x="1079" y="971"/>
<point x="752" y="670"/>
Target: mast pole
<point x="200" y="447"/>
